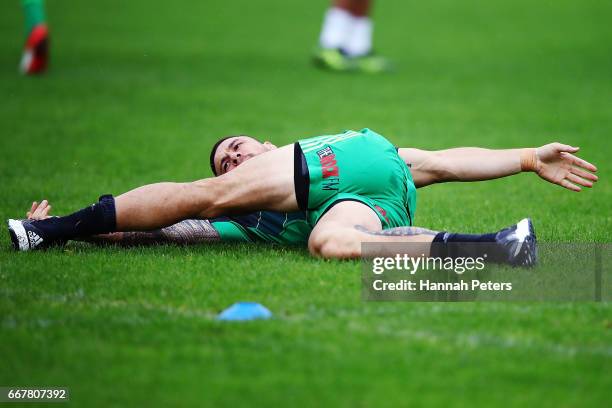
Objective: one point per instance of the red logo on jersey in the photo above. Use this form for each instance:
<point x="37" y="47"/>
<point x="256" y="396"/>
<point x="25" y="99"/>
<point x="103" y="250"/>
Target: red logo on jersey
<point x="382" y="212"/>
<point x="329" y="168"/>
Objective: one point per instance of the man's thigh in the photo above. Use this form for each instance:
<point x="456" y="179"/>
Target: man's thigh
<point x="264" y="182"/>
<point x="342" y="230"/>
<point x="335" y="235"/>
<point x="349" y="213"/>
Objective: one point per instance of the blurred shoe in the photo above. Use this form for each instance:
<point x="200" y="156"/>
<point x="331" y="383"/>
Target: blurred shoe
<point x="371" y="64"/>
<point x="332" y="59"/>
<point x="336" y="60"/>
<point x="36" y="52"/>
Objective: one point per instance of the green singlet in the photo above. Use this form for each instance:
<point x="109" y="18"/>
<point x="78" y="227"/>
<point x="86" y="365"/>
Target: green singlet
<point x="360" y="166"/>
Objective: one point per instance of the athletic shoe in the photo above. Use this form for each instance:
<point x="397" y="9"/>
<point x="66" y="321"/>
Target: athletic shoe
<point x="336" y="60"/>
<point x="36" y="51"/>
<point x="371" y="64"/>
<point x="332" y="59"/>
<point x="520" y="243"/>
<point x="26" y="236"/>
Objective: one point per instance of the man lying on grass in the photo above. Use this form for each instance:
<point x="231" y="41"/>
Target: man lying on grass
<point x="349" y="188"/>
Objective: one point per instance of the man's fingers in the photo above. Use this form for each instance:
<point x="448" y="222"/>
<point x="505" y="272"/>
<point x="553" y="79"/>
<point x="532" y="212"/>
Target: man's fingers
<point x="570" y="186"/>
<point x="579" y="162"/>
<point x="40" y="208"/>
<point x="584" y="174"/>
<point x="579" y="180"/>
<point x="41" y="211"/>
<point x="567" y="148"/>
<point x="30" y="213"/>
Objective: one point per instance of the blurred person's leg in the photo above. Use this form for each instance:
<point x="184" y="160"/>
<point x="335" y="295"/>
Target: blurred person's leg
<point x="36" y="51"/>
<point x="345" y="42"/>
<point x="343" y="19"/>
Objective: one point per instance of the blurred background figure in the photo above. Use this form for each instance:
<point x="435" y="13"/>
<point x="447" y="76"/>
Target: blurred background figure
<point x="345" y="43"/>
<point x="36" y="51"/>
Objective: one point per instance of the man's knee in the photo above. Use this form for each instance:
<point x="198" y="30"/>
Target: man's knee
<point x="339" y="243"/>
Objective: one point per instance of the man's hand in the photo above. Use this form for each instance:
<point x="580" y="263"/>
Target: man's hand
<point x="556" y="163"/>
<point x="39" y="211"/>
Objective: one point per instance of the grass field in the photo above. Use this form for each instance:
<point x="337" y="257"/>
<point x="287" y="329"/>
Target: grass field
<point x="137" y="93"/>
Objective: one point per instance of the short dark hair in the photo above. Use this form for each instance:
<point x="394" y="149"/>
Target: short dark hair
<point x="213" y="151"/>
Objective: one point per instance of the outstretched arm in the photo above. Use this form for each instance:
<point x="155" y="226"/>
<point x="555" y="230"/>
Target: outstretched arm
<point x="187" y="232"/>
<point x="554" y="162"/>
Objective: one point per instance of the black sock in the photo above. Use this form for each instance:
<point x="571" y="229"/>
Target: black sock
<point x="453" y="245"/>
<point x="98" y="218"/>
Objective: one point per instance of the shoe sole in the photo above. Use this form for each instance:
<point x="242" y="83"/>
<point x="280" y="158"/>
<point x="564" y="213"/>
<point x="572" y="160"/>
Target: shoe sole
<point x="18" y="235"/>
<point x="525" y="232"/>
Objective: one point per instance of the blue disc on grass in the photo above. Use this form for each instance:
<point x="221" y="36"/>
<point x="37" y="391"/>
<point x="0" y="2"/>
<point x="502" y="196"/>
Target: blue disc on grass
<point x="245" y="311"/>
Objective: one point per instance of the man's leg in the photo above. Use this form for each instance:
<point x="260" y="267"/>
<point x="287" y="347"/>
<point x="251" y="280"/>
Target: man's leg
<point x="186" y="232"/>
<point x="345" y="226"/>
<point x="345" y="42"/>
<point x="348" y="224"/>
<point x="36" y="52"/>
<point x="339" y="22"/>
<point x="359" y="41"/>
<point x="264" y="182"/>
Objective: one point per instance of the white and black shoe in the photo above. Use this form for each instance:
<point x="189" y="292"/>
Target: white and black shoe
<point x="520" y="243"/>
<point x="27" y="237"/>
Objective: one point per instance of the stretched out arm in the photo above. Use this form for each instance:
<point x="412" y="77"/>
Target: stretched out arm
<point x="187" y="232"/>
<point x="554" y="162"/>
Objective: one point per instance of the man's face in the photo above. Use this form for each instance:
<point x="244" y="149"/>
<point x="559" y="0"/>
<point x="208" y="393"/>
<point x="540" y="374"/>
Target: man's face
<point x="236" y="150"/>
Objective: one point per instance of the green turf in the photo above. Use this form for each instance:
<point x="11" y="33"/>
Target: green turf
<point x="138" y="91"/>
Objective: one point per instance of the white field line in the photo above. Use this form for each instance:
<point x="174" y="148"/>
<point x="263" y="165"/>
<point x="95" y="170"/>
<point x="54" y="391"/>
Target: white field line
<point x="478" y="340"/>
